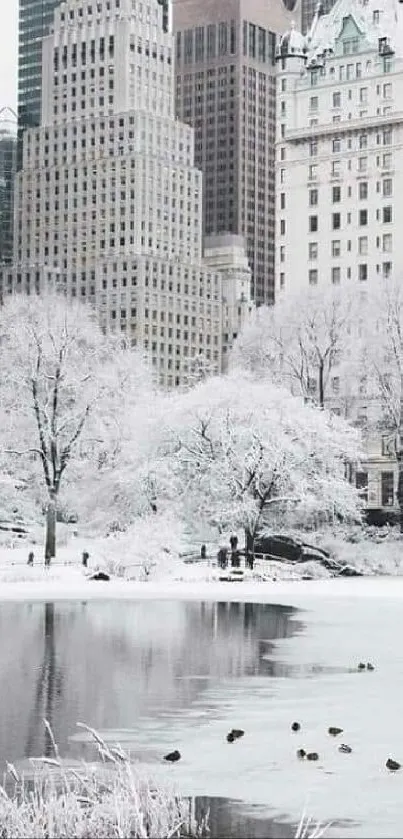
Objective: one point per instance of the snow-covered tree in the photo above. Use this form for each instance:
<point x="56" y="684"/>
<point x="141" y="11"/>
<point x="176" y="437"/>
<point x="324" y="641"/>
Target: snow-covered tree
<point x="383" y="320"/>
<point x="64" y="394"/>
<point x="241" y="446"/>
<point x="304" y="342"/>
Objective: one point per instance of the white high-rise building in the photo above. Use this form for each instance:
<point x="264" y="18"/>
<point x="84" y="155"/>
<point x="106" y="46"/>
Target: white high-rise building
<point x="339" y="161"/>
<point x="339" y="170"/>
<point x="108" y="201"/>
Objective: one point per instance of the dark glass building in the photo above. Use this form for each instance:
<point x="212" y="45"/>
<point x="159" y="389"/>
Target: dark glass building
<point x="309" y="8"/>
<point x="226" y="90"/>
<point x="35" y="19"/>
<point x="8" y="154"/>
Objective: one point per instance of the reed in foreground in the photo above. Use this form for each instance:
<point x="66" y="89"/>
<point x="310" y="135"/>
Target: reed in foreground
<point x="110" y="799"/>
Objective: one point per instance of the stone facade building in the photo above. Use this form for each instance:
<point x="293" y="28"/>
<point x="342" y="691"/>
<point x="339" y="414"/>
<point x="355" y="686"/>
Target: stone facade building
<point x="339" y="169"/>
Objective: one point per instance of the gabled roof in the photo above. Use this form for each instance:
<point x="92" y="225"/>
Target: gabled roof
<point x="374" y="19"/>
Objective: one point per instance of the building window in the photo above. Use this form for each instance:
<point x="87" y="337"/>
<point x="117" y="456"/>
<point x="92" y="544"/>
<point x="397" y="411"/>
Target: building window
<point x="363" y="141"/>
<point x="336" y="247"/>
<point x="361" y="482"/>
<point x="336" y="145"/>
<point x="363" y="218"/>
<point x="362" y="164"/>
<point x="337" y="99"/>
<point x="211" y="40"/>
<point x="363" y="272"/>
<point x="387" y="489"/>
<point x="336" y="273"/>
<point x="387" y="242"/>
<point x="313" y="250"/>
<point x="313" y="148"/>
<point x="313" y="276"/>
<point x="336" y="168"/>
<point x="313" y="197"/>
<point x="313" y="103"/>
<point x="336" y="194"/>
<point x="313" y="172"/>
<point x="313" y="224"/>
<point x="387" y="214"/>
<point x="363" y="245"/>
<point x="336" y="221"/>
<point x="387" y="187"/>
<point x="363" y="190"/>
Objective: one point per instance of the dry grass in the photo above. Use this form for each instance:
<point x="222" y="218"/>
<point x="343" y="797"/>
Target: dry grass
<point x="308" y="829"/>
<point x="109" y="800"/>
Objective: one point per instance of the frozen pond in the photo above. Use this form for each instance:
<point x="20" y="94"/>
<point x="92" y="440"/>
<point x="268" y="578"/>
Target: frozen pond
<point x="165" y="674"/>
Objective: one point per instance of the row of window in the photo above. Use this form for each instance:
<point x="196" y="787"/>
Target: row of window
<point x="361" y="272"/>
<point x="337" y="145"/>
<point x="384" y="215"/>
<point x="384" y="187"/>
<point x="384" y="90"/>
<point x="336" y="273"/>
<point x="384" y="242"/>
<point x="318" y="74"/>
<point x="336" y="166"/>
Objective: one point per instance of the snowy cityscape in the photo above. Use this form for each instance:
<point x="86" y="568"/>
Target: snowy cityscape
<point x="201" y="418"/>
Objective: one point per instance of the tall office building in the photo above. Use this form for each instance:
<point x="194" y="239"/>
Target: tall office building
<point x="308" y="9"/>
<point x="8" y="157"/>
<point x="35" y="22"/>
<point x="109" y="201"/>
<point x="226" y="90"/>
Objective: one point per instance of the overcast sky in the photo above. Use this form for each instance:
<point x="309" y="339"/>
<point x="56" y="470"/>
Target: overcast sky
<point x="8" y="52"/>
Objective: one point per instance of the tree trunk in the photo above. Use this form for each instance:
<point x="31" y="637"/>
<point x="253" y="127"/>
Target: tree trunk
<point x="50" y="540"/>
<point x="321" y="386"/>
<point x="399" y="458"/>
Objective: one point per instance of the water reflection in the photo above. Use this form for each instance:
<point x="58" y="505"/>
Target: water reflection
<point x="227" y="818"/>
<point x="112" y="663"/>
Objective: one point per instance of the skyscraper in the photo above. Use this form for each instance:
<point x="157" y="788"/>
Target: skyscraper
<point x="226" y="90"/>
<point x="108" y="199"/>
<point x="309" y="8"/>
<point x="8" y="153"/>
<point x="35" y="20"/>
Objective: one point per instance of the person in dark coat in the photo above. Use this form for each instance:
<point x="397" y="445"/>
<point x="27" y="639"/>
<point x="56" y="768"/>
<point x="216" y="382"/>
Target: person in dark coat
<point x="235" y="554"/>
<point x="30" y="558"/>
<point x="222" y="557"/>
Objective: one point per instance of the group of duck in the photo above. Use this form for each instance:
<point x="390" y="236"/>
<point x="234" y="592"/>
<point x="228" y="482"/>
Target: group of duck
<point x="391" y="764"/>
<point x="334" y="731"/>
